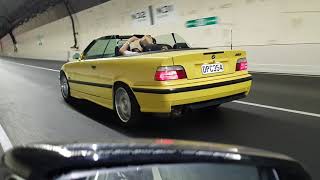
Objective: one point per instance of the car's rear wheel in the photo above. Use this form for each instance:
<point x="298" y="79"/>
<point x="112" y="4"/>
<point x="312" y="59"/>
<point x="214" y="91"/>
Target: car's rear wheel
<point x="65" y="88"/>
<point x="127" y="109"/>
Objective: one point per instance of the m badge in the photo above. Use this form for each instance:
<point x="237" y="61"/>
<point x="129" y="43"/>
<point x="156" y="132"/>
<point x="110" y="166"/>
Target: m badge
<point x="213" y="57"/>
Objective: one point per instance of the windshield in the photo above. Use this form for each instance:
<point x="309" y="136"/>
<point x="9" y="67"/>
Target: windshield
<point x="171" y="172"/>
<point x="170" y="39"/>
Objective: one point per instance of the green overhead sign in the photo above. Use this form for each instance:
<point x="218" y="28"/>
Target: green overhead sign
<point x="202" y="22"/>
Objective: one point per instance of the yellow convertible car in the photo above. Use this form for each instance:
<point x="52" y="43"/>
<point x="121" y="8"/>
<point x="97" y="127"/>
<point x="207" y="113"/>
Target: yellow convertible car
<point x="169" y="77"/>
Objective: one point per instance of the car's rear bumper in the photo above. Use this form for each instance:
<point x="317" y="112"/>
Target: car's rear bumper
<point x="213" y="102"/>
<point x="163" y="100"/>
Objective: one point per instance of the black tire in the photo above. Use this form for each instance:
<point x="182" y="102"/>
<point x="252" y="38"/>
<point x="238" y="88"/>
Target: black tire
<point x="134" y="115"/>
<point x="65" y="88"/>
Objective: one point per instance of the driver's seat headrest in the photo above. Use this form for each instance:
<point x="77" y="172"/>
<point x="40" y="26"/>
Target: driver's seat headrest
<point x="180" y="46"/>
<point x="151" y="47"/>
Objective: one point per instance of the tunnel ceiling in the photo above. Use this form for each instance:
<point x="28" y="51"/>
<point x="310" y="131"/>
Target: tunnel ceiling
<point x="16" y="12"/>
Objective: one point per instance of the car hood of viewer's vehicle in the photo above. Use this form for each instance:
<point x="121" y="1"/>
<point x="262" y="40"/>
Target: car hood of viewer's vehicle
<point x="160" y="143"/>
<point x="43" y="159"/>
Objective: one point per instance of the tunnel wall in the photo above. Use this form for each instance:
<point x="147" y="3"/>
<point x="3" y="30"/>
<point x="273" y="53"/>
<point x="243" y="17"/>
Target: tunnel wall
<point x="280" y="36"/>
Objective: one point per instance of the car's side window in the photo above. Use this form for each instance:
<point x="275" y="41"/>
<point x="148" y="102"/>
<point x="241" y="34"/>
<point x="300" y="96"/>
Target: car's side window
<point x="96" y="49"/>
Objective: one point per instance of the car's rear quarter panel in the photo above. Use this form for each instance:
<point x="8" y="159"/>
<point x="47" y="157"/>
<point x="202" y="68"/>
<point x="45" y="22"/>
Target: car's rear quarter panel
<point x="139" y="70"/>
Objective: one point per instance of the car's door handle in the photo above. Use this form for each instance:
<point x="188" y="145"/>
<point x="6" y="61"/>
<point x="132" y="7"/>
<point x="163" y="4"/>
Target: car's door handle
<point x="93" y="67"/>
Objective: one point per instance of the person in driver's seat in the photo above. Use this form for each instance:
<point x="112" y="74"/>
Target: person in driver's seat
<point x="135" y="45"/>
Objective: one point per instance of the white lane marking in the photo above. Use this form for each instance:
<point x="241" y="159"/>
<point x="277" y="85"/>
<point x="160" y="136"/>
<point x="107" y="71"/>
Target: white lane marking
<point x="4" y="140"/>
<point x="279" y="109"/>
<point x="240" y="102"/>
<point x="37" y="67"/>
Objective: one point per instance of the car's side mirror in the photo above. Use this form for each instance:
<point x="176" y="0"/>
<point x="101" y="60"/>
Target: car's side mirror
<point x="76" y="56"/>
<point x="82" y="57"/>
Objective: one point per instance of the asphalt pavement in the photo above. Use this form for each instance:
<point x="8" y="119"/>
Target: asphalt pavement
<point x="32" y="110"/>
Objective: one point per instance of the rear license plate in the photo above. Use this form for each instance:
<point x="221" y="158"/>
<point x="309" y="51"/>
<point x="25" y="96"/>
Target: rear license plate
<point x="212" y="68"/>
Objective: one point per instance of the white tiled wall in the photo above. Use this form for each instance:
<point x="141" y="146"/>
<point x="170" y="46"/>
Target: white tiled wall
<point x="279" y="35"/>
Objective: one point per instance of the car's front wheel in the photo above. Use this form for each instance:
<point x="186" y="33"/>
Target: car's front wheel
<point x="127" y="109"/>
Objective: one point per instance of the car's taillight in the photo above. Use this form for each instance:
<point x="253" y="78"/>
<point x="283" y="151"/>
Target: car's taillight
<point x="165" y="73"/>
<point x="242" y="64"/>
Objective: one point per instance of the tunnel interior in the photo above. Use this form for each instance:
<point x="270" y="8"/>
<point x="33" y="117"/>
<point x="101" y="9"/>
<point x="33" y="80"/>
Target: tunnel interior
<point x="231" y="72"/>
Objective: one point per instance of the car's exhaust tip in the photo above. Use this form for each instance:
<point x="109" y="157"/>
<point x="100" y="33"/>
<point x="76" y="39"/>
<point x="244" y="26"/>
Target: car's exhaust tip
<point x="177" y="111"/>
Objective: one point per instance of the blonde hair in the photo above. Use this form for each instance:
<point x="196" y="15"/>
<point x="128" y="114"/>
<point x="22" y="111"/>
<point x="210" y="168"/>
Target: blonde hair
<point x="146" y="40"/>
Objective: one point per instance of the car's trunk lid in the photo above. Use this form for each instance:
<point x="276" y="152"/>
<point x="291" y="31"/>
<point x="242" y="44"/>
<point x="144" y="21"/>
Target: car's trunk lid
<point x="194" y="62"/>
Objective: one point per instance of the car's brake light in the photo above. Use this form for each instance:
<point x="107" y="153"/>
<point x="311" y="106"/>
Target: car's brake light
<point x="165" y="73"/>
<point x="242" y="64"/>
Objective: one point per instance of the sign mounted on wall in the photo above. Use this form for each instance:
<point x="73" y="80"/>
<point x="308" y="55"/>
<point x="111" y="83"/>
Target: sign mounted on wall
<point x="154" y="14"/>
<point x="164" y="13"/>
<point x="40" y="39"/>
<point x="202" y="22"/>
<point x="140" y="17"/>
